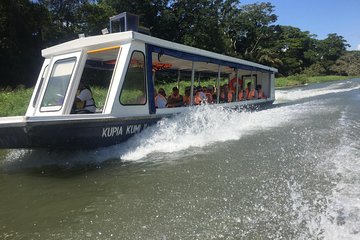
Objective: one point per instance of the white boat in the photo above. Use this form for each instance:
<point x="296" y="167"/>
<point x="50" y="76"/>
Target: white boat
<point x="130" y="65"/>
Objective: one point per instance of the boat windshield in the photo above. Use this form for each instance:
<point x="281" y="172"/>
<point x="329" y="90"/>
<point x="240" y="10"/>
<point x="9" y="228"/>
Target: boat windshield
<point x="58" y="84"/>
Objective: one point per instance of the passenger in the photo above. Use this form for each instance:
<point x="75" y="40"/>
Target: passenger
<point x="175" y="99"/>
<point x="241" y="94"/>
<point x="209" y="94"/>
<point x="250" y="92"/>
<point x="160" y="99"/>
<point x="223" y="96"/>
<point x="202" y="93"/>
<point x="226" y="95"/>
<point x="261" y="94"/>
<point x="186" y="97"/>
<point x="84" y="101"/>
<point x="214" y="96"/>
<point x="204" y="89"/>
<point x="199" y="96"/>
<point x="230" y="93"/>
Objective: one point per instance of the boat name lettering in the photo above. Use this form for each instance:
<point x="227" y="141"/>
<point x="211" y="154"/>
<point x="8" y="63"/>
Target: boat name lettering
<point x="118" y="130"/>
<point x="131" y="129"/>
<point x="112" y="131"/>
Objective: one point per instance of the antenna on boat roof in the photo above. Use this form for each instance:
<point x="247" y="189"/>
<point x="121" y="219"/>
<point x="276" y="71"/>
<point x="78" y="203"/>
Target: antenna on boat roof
<point x="127" y="22"/>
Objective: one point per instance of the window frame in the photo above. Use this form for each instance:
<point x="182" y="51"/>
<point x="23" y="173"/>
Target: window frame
<point x="58" y="108"/>
<point x="144" y="80"/>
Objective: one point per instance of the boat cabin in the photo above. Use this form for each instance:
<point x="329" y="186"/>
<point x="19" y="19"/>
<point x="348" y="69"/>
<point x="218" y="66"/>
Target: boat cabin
<point x="131" y="66"/>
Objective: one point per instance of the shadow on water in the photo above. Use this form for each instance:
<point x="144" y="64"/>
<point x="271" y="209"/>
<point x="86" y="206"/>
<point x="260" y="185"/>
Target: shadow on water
<point x="68" y="164"/>
<point x="60" y="164"/>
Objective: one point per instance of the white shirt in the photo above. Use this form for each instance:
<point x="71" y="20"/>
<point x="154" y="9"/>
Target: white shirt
<point x="160" y="101"/>
<point x="86" y="96"/>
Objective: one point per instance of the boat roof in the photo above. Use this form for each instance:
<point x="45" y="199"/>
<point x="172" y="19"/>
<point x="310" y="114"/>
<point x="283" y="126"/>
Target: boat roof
<point x="100" y="41"/>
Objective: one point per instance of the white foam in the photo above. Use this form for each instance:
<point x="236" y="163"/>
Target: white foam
<point x="205" y="125"/>
<point x="292" y="95"/>
<point x="342" y="220"/>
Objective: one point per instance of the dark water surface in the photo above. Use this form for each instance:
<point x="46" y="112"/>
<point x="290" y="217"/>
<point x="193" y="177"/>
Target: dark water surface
<point x="288" y="172"/>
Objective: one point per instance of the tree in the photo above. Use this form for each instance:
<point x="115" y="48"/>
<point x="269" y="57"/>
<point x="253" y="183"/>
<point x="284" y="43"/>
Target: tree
<point x="92" y="18"/>
<point x="20" y="41"/>
<point x="198" y="24"/>
<point x="331" y="49"/>
<point x="348" y="64"/>
<point x="63" y="25"/>
<point x="293" y="46"/>
<point x="249" y="29"/>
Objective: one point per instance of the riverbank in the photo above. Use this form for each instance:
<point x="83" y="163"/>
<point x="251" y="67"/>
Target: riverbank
<point x="298" y="80"/>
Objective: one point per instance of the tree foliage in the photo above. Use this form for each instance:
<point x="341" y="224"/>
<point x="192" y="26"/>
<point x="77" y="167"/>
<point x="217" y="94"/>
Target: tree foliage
<point x="224" y="26"/>
<point x="348" y="64"/>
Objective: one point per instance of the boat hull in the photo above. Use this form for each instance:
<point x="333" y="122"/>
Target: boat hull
<point x="71" y="134"/>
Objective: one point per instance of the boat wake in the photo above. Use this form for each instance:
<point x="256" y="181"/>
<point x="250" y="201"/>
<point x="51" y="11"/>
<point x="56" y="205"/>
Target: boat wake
<point x="304" y="93"/>
<point x="206" y="126"/>
<point x="342" y="219"/>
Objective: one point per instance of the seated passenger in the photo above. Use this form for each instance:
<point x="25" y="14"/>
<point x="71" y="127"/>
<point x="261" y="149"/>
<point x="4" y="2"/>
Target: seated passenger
<point x="209" y="94"/>
<point x="261" y="94"/>
<point x="201" y="92"/>
<point x="241" y="94"/>
<point x="250" y="92"/>
<point x="175" y="99"/>
<point x="199" y="96"/>
<point x="230" y="93"/>
<point x="222" y="96"/>
<point x="160" y="99"/>
<point x="84" y="101"/>
<point x="214" y="96"/>
<point x="186" y="97"/>
<point x="226" y="95"/>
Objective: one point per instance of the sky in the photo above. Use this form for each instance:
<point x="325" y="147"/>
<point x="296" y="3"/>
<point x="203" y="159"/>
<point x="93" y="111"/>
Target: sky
<point x="320" y="17"/>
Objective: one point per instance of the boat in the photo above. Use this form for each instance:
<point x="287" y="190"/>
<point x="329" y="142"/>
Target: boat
<point x="131" y="65"/>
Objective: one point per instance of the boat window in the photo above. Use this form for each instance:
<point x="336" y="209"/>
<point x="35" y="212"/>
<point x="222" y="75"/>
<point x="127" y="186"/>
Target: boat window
<point x="96" y="76"/>
<point x="40" y="84"/>
<point x="58" y="84"/>
<point x="250" y="78"/>
<point x="171" y="72"/>
<point x="213" y="81"/>
<point x="134" y="88"/>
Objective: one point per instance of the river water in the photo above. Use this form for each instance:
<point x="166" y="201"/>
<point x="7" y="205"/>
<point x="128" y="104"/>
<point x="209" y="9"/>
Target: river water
<point x="291" y="171"/>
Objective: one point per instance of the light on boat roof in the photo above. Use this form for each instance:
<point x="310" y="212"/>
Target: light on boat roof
<point x="102" y="49"/>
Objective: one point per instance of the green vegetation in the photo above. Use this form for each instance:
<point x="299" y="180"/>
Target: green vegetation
<point x="99" y="95"/>
<point x="14" y="103"/>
